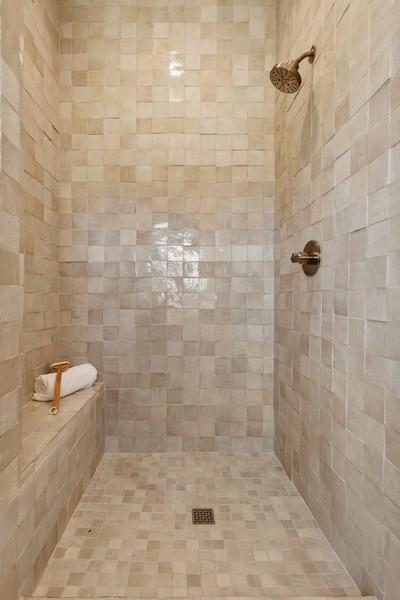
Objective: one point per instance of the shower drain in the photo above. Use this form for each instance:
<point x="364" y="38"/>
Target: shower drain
<point x="203" y="516"/>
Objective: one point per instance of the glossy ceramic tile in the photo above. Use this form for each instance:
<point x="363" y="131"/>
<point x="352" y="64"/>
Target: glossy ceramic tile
<point x="166" y="217"/>
<point x="11" y="276"/>
<point x="40" y="148"/>
<point x="337" y="384"/>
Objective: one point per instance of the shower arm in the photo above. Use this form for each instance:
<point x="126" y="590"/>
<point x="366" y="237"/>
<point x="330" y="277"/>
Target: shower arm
<point x="310" y="54"/>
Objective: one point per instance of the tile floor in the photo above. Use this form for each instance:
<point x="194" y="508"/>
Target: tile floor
<point x="132" y="535"/>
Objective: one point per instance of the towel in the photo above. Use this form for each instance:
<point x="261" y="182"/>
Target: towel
<point x="74" y="379"/>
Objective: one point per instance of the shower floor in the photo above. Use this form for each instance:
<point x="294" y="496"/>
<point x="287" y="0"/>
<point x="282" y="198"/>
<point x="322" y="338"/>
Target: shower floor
<point x="132" y="536"/>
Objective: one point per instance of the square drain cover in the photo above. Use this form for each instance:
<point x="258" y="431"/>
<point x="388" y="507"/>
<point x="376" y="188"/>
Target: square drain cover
<point x="203" y="516"/>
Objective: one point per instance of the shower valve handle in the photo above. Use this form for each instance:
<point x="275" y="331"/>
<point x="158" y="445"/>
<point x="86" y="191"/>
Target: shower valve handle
<point x="305" y="258"/>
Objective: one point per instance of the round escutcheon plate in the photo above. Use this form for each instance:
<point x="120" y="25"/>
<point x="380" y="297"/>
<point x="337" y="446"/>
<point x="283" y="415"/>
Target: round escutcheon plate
<point x="313" y="249"/>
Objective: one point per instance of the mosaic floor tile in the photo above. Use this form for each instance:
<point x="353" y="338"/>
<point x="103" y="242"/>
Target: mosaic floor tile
<point x="132" y="536"/>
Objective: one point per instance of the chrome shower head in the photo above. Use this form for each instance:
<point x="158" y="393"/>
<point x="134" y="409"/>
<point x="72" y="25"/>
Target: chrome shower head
<point x="285" y="76"/>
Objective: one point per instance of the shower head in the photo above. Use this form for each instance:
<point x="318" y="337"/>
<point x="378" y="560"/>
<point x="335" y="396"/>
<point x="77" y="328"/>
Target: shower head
<point x="285" y="76"/>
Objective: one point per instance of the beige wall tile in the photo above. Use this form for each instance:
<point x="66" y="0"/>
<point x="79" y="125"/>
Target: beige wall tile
<point x="11" y="268"/>
<point x="334" y="154"/>
<point x="166" y="219"/>
<point x="40" y="149"/>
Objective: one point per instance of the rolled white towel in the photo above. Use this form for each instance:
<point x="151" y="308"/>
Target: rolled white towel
<point x="74" y="379"/>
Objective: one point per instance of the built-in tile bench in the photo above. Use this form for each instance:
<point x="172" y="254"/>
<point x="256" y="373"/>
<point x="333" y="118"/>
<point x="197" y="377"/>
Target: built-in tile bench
<point x="59" y="456"/>
<point x="41" y="430"/>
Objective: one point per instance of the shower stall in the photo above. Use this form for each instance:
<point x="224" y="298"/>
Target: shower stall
<point x="214" y="225"/>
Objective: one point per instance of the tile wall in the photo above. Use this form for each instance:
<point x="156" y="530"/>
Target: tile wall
<point x="166" y="217"/>
<point x="337" y="370"/>
<point x="28" y="271"/>
<point x="11" y="267"/>
<point x="40" y="147"/>
<point x="27" y="223"/>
